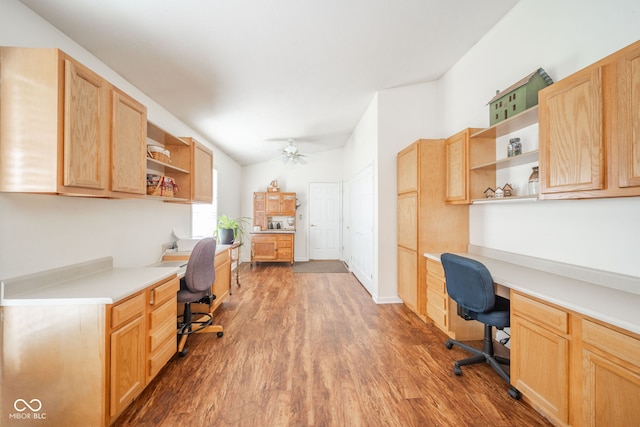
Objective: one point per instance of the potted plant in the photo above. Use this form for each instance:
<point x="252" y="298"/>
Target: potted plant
<point x="230" y="230"/>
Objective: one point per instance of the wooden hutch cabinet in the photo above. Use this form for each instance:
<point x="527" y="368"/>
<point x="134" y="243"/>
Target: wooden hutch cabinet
<point x="271" y="244"/>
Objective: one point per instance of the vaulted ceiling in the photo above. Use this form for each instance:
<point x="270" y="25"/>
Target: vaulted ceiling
<point x="249" y="74"/>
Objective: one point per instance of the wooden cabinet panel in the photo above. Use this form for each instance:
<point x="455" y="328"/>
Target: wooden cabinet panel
<point x="128" y="152"/>
<point x="260" y="210"/>
<point x="571" y="134"/>
<point x="126" y="310"/>
<point x="628" y="115"/>
<point x="280" y="204"/>
<point x="223" y="278"/>
<point x="273" y="203"/>
<point x="539" y="359"/>
<point x="407" y="165"/>
<point x="128" y="371"/>
<point x="288" y="206"/>
<point x="200" y="165"/>
<point x="408" y="277"/>
<point x="457" y="157"/>
<point x="85" y="149"/>
<point x="408" y="221"/>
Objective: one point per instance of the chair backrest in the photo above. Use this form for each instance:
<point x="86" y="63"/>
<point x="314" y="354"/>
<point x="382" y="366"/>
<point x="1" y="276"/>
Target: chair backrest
<point x="201" y="272"/>
<point x="469" y="283"/>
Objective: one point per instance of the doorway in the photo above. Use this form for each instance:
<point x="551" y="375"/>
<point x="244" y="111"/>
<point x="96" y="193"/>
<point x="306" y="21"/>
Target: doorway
<point x="324" y="220"/>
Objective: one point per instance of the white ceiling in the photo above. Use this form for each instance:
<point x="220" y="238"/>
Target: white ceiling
<point x="248" y="74"/>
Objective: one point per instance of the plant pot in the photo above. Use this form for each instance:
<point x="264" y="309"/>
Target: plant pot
<point x="226" y="236"/>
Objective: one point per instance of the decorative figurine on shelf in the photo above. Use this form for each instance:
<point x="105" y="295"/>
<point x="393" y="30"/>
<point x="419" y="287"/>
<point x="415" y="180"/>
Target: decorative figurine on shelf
<point x="273" y="187"/>
<point x="499" y="193"/>
<point x="508" y="190"/>
<point x="489" y="193"/>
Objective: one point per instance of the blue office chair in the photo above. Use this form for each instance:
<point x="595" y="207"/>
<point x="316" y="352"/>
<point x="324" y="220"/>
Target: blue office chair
<point x="195" y="287"/>
<point x="470" y="285"/>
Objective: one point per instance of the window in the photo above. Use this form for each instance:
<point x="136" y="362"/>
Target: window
<point x="204" y="215"/>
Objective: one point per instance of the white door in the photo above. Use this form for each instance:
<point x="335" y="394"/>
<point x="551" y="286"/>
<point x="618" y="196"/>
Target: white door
<point x="324" y="220"/>
<point x="361" y="228"/>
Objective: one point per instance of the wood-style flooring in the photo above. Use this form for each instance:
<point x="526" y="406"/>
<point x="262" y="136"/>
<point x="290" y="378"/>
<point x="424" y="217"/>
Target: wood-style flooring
<point x="308" y="349"/>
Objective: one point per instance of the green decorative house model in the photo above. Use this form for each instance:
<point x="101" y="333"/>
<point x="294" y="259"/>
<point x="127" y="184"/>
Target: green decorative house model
<point x="518" y="97"/>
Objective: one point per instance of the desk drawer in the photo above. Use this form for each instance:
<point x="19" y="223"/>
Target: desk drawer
<point x="610" y="341"/>
<point x="161" y="357"/>
<point x="161" y="333"/>
<point x="539" y="312"/>
<point x="435" y="268"/>
<point x="438" y="316"/>
<point x="437" y="299"/>
<point x="164" y="292"/>
<point x="435" y="283"/>
<point x="127" y="310"/>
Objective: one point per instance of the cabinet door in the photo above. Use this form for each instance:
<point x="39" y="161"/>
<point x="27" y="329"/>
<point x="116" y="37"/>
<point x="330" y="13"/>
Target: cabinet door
<point x="408" y="221"/>
<point x="273" y="203"/>
<point x="128" y="153"/>
<point x="572" y="144"/>
<point x="259" y="210"/>
<point x="85" y="148"/>
<point x="202" y="173"/>
<point x="628" y="115"/>
<point x="284" y="248"/>
<point x="288" y="204"/>
<point x="408" y="277"/>
<point x="263" y="248"/>
<point x="407" y="163"/>
<point x="540" y="355"/>
<point x="127" y="364"/>
<point x="457" y="157"/>
<point x="223" y="278"/>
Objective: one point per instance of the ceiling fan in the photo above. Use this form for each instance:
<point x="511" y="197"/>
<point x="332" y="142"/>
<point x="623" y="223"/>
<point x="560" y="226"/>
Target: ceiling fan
<point x="290" y="154"/>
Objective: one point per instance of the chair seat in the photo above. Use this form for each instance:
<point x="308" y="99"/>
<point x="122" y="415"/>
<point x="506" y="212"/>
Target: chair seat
<point x="498" y="317"/>
<point x="185" y="295"/>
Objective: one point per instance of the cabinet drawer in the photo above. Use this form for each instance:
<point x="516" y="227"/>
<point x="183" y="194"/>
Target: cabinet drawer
<point x="284" y="244"/>
<point x="164" y="313"/>
<point x="540" y="313"/>
<point x="161" y="333"/>
<point x="284" y="253"/>
<point x="163" y="292"/>
<point x="126" y="310"/>
<point x="161" y="357"/>
<point x="437" y="300"/>
<point x="287" y="238"/>
<point x="436" y="283"/>
<point x="438" y="316"/>
<point x="435" y="268"/>
<point x="613" y="342"/>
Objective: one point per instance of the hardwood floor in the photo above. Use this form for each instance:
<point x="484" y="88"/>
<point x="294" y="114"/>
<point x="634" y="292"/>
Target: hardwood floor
<point x="305" y="349"/>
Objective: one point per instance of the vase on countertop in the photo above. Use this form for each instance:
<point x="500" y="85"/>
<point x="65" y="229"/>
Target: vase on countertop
<point x="534" y="182"/>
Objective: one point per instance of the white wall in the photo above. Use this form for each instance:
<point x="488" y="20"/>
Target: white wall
<point x="39" y="232"/>
<point x="561" y="37"/>
<point x="325" y="166"/>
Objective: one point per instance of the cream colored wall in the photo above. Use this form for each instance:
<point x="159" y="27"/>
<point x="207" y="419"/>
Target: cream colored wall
<point x="325" y="166"/>
<point x="560" y="37"/>
<point x="39" y="232"/>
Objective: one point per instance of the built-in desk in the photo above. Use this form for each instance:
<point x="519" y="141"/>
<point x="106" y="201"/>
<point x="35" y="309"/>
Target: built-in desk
<point x="575" y="337"/>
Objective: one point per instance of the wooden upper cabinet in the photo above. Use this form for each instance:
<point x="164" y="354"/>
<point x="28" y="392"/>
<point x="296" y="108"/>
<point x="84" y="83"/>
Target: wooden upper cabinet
<point x="128" y="136"/>
<point x="628" y="79"/>
<point x="457" y="161"/>
<point x="201" y="172"/>
<point x="85" y="149"/>
<point x="571" y="134"/>
<point x="259" y="210"/>
<point x="273" y="203"/>
<point x="280" y="204"/>
<point x="590" y="130"/>
<point x="288" y="207"/>
<point x="65" y="129"/>
<point x="408" y="220"/>
<point x="407" y="162"/>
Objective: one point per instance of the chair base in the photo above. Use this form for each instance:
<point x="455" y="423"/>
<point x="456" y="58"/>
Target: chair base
<point x="486" y="355"/>
<point x="193" y="323"/>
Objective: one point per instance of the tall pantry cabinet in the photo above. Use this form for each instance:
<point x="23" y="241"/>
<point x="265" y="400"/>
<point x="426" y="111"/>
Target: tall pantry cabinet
<point x="425" y="222"/>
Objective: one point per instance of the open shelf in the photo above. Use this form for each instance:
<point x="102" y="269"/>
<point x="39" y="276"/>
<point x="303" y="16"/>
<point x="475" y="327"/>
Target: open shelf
<point x="505" y="200"/>
<point x="517" y="122"/>
<point x="531" y="156"/>
<point x="166" y="165"/>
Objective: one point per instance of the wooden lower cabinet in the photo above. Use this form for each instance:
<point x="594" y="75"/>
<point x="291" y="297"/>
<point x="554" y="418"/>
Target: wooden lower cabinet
<point x="571" y="368"/>
<point x="540" y="356"/>
<point x="444" y="311"/>
<point x="142" y="339"/>
<point x="272" y="247"/>
<point x="408" y="277"/>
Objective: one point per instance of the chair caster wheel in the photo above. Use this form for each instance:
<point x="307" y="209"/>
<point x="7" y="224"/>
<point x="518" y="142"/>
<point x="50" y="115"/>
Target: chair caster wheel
<point x="449" y="345"/>
<point x="220" y="334"/>
<point x="514" y="393"/>
<point x="457" y="370"/>
<point x="182" y="353"/>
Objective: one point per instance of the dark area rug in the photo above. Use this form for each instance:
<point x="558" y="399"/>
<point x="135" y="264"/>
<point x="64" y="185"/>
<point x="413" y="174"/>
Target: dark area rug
<point x="320" y="267"/>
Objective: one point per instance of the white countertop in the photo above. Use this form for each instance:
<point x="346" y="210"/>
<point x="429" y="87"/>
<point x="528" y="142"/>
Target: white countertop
<point x="93" y="282"/>
<point x="273" y="231"/>
<point x="614" y="306"/>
